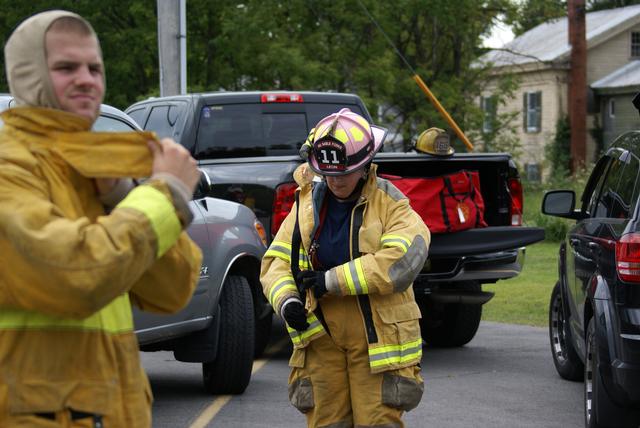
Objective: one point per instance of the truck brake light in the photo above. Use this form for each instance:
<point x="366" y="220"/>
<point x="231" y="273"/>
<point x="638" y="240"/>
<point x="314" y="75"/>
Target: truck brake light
<point x="628" y="257"/>
<point x="517" y="202"/>
<point x="281" y="98"/>
<point x="282" y="204"/>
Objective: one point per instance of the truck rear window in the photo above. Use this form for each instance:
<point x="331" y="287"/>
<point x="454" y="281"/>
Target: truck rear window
<point x="245" y="130"/>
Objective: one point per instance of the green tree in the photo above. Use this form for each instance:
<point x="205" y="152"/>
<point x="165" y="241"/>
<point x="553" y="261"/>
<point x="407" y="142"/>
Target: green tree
<point x="327" y="45"/>
<point x="531" y="13"/>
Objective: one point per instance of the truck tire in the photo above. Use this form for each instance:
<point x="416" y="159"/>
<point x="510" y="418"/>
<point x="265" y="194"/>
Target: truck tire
<point x="568" y="364"/>
<point x="230" y="372"/>
<point x="450" y="325"/>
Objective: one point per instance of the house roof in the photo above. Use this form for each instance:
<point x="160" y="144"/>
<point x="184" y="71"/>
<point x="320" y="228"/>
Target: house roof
<point x="549" y="42"/>
<point x="629" y="75"/>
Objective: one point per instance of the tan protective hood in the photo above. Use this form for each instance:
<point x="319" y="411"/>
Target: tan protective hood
<point x="92" y="154"/>
<point x="26" y="60"/>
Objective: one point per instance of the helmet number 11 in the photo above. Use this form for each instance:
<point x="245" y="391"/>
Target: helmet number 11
<point x="325" y="159"/>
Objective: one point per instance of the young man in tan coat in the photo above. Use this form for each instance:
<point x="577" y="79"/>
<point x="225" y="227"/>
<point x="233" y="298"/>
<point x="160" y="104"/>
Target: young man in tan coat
<point x="79" y="244"/>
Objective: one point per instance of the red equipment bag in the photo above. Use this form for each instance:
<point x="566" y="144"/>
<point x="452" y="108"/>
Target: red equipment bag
<point x="448" y="203"/>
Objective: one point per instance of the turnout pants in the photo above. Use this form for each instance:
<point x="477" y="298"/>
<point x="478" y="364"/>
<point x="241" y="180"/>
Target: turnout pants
<point x="331" y="381"/>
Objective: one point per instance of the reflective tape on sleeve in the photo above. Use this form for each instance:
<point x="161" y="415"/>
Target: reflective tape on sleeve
<point x="299" y="338"/>
<point x="354" y="277"/>
<point x="284" y="285"/>
<point x="159" y="210"/>
<point x="279" y="249"/>
<point x="282" y="251"/>
<point x="395" y="241"/>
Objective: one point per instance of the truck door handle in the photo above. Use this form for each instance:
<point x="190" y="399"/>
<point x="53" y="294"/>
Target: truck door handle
<point x="593" y="247"/>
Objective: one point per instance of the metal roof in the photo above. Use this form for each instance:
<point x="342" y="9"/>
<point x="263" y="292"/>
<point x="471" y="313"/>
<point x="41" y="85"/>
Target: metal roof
<point x="549" y="42"/>
<point x="629" y="75"/>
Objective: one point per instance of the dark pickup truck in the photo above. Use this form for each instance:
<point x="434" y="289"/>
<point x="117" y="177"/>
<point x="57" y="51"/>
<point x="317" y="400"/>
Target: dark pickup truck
<point x="248" y="143"/>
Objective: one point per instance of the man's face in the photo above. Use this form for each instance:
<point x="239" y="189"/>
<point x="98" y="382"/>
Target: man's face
<point x="76" y="72"/>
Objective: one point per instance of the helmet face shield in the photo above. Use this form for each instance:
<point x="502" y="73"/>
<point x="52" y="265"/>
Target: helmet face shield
<point x="343" y="143"/>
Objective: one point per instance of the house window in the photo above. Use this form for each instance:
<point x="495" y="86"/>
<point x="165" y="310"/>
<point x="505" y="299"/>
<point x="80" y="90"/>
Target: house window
<point x="612" y="108"/>
<point x="635" y="44"/>
<point x="532" y="111"/>
<point x="488" y="106"/>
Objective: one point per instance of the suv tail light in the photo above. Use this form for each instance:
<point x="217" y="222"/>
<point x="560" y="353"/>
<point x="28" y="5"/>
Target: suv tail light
<point x="282" y="204"/>
<point x="515" y="190"/>
<point x="281" y="98"/>
<point x="628" y="257"/>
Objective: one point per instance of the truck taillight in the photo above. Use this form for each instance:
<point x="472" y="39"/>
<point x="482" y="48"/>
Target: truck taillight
<point x="282" y="204"/>
<point x="628" y="257"/>
<point x="515" y="190"/>
<point x="281" y="98"/>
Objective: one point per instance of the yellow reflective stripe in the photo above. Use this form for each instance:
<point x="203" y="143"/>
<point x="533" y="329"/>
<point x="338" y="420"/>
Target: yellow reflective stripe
<point x="395" y="354"/>
<point x="114" y="318"/>
<point x="395" y="241"/>
<point x="282" y="285"/>
<point x="315" y="327"/>
<point x="303" y="261"/>
<point x="282" y="250"/>
<point x="159" y="210"/>
<point x="273" y="252"/>
<point x="354" y="276"/>
<point x="279" y="249"/>
<point x="351" y="288"/>
<point x="361" y="279"/>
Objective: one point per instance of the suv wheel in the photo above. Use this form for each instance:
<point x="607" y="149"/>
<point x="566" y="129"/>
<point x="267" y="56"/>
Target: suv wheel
<point x="599" y="410"/>
<point x="450" y="324"/>
<point x="567" y="362"/>
<point x="230" y="372"/>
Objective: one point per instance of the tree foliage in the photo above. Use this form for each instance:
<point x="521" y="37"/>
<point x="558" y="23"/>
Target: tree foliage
<point x="328" y="45"/>
<point x="531" y="13"/>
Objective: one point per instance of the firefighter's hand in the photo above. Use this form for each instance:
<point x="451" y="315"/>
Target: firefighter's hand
<point x="295" y="315"/>
<point x="313" y="279"/>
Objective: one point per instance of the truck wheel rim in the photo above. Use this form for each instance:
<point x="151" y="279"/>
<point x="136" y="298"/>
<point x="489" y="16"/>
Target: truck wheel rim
<point x="557" y="331"/>
<point x="588" y="380"/>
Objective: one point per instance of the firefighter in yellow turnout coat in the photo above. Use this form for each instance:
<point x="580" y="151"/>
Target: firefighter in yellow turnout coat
<point x="357" y="343"/>
<point x="73" y="261"/>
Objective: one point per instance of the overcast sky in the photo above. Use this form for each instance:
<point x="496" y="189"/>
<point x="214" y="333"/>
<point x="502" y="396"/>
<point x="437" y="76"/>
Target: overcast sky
<point x="500" y="35"/>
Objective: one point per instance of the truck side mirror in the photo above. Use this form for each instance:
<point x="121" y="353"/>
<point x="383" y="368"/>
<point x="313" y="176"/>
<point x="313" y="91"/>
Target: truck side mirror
<point x="204" y="186"/>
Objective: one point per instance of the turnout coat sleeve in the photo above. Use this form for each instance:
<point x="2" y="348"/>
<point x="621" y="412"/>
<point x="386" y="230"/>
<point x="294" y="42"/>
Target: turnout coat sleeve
<point x="70" y="260"/>
<point x="393" y="242"/>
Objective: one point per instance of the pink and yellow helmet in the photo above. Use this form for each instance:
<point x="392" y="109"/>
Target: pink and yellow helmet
<point x="343" y="143"/>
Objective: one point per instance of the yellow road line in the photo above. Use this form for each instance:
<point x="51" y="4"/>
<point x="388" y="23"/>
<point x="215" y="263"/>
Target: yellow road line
<point x="212" y="409"/>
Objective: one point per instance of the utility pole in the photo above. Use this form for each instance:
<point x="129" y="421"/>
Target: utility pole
<point x="172" y="46"/>
<point x="578" y="83"/>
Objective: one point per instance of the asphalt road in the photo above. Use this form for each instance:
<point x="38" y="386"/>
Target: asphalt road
<point x="504" y="378"/>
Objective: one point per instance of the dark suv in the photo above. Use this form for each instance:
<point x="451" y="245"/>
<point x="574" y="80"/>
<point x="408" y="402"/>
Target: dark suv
<point x="594" y="314"/>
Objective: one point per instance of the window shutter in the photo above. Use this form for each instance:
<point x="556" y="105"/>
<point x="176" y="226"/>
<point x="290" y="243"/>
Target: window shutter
<point x="525" y="111"/>
<point x="538" y="97"/>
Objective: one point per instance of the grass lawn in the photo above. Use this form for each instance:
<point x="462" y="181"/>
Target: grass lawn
<point x="525" y="298"/>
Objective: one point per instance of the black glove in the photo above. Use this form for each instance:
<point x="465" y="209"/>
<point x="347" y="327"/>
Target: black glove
<point x="295" y="315"/>
<point x="312" y="279"/>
